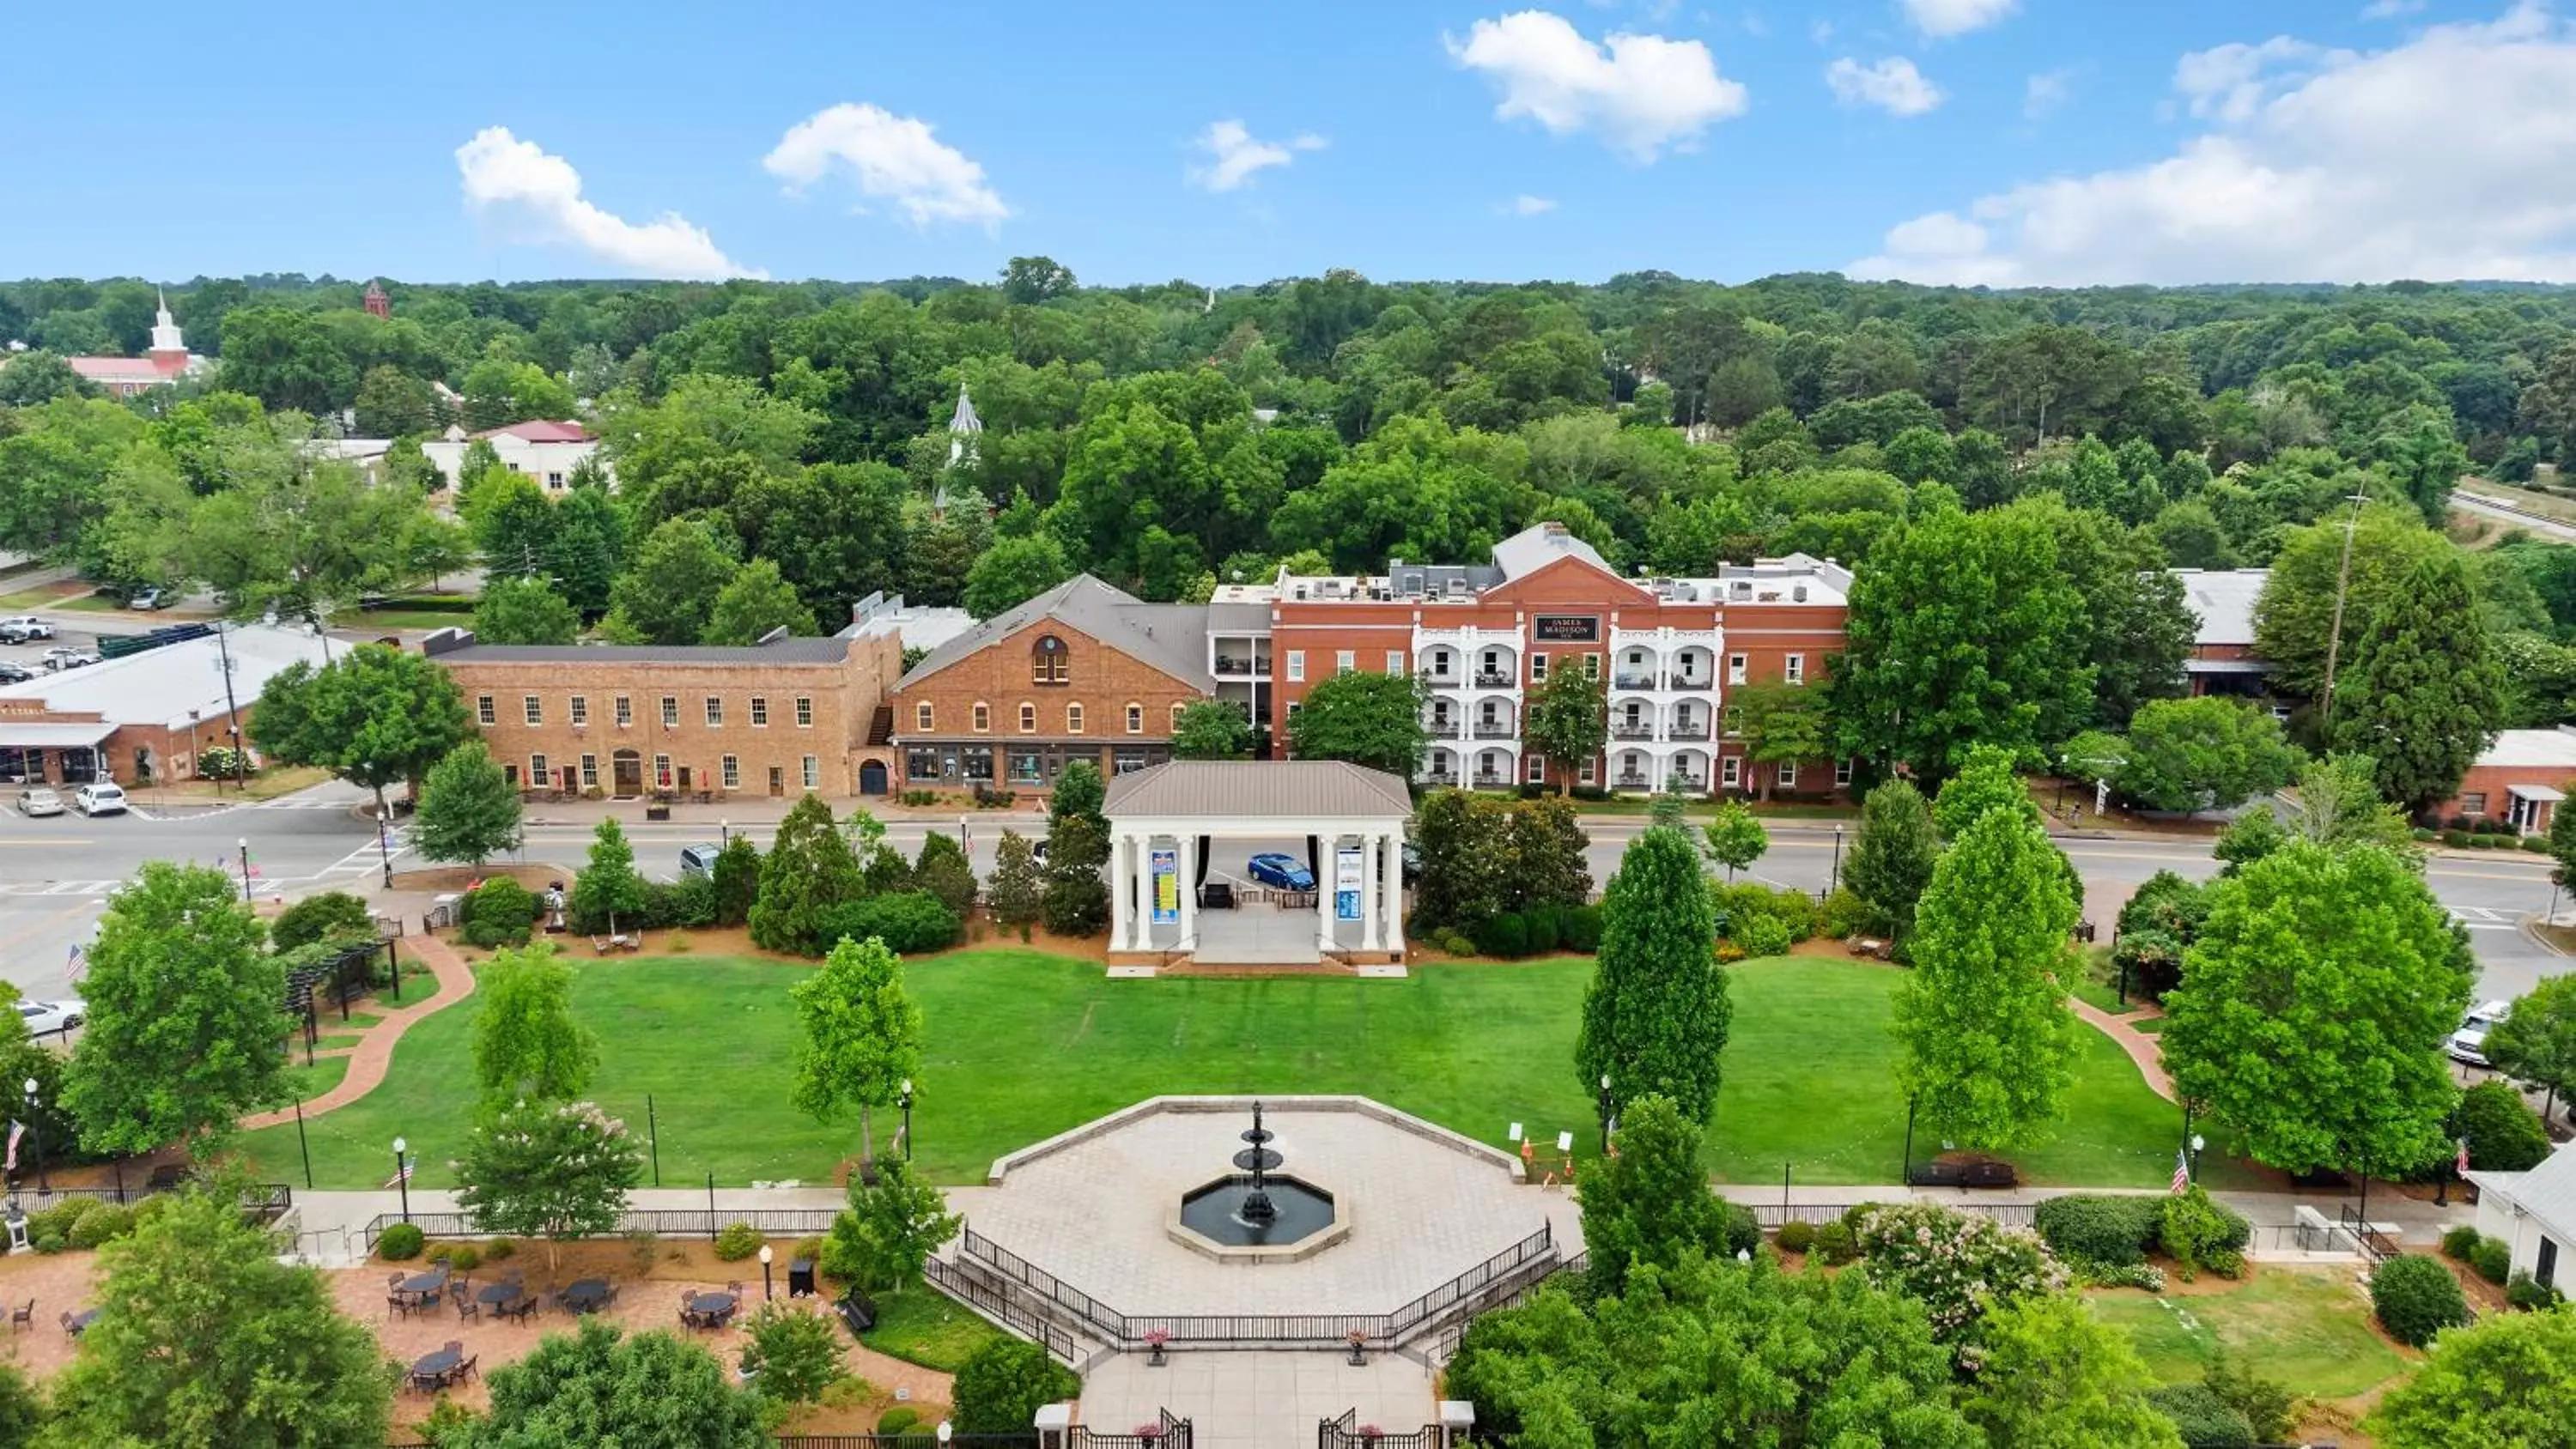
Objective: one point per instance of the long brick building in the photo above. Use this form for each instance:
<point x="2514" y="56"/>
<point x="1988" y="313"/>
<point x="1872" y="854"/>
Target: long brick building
<point x="1085" y="671"/>
<point x="775" y="719"/>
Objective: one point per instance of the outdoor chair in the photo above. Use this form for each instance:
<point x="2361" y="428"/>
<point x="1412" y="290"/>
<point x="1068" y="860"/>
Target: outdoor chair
<point x="396" y="1300"/>
<point x="467" y="1370"/>
<point x="467" y="1308"/>
<point x="25" y="1314"/>
<point x="67" y="1324"/>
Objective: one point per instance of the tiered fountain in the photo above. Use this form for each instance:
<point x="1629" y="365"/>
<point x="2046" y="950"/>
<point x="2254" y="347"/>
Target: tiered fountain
<point x="1257" y="1214"/>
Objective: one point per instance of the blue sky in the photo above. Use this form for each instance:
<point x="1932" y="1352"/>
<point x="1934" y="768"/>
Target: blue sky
<point x="2003" y="141"/>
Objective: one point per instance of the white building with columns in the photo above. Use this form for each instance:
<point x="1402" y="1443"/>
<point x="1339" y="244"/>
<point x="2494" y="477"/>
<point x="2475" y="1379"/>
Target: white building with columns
<point x="1168" y="823"/>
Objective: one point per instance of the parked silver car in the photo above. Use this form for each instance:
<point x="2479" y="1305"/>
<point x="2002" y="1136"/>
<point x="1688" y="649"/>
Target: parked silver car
<point x="36" y="801"/>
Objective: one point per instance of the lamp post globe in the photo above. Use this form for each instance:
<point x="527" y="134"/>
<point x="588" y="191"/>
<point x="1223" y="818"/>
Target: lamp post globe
<point x="767" y="1292"/>
<point x="36" y="1139"/>
<point x="402" y="1176"/>
<point x="903" y="1098"/>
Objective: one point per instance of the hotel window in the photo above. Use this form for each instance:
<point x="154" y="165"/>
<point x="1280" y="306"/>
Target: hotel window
<point x="922" y="715"/>
<point x="760" y="711"/>
<point x="534" y="708"/>
<point x="670" y="711"/>
<point x="813" y="772"/>
<point x="983" y="717"/>
<point x="804" y="712"/>
<point x="1345" y="660"/>
<point x="483" y="710"/>
<point x="1537" y="769"/>
<point x="1788" y="774"/>
<point x="537" y="775"/>
<point x="1028" y="718"/>
<point x="1538" y="668"/>
<point x="1592" y="666"/>
<point x="1296" y="665"/>
<point x="590" y="772"/>
<point x="662" y="772"/>
<point x="732" y="773"/>
<point x="1176" y="717"/>
<point x="1732" y="775"/>
<point x="1049" y="662"/>
<point x="580" y="711"/>
<point x="1795" y="670"/>
<point x="1589" y="773"/>
<point x="715" y="712"/>
<point x="1135" y="719"/>
<point x="1073" y="719"/>
<point x="1735" y="669"/>
<point x="1395" y="662"/>
<point x="625" y="711"/>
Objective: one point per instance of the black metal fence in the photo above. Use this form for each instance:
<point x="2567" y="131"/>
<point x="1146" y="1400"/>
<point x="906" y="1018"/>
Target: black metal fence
<point x="266" y="1201"/>
<point x="1531" y="1257"/>
<point x="661" y="1222"/>
<point x="1347" y="1432"/>
<point x="948" y="1278"/>
<point x="1817" y="1214"/>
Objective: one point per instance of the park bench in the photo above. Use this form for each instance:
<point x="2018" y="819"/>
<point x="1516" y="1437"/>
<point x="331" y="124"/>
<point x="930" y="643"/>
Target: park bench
<point x="619" y="942"/>
<point x="1962" y="1174"/>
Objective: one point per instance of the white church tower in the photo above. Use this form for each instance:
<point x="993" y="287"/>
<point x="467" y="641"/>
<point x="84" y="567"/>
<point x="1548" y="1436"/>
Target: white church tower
<point x="964" y="429"/>
<point x="169" y="350"/>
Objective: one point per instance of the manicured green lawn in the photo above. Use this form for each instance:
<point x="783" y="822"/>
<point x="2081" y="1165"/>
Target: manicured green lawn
<point x="2309" y="1330"/>
<point x="928" y="1328"/>
<point x="1023" y="1045"/>
<point x="306" y="1083"/>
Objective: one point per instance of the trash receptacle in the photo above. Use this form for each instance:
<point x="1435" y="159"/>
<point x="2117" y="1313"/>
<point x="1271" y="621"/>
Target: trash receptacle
<point x="800" y="1278"/>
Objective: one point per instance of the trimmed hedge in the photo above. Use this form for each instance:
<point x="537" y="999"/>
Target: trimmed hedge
<point x="907" y="921"/>
<point x="2491" y="1259"/>
<point x="2114" y="1232"/>
<point x="1797" y="1237"/>
<point x="399" y="1243"/>
<point x="2205" y="1420"/>
<point x="499" y="912"/>
<point x="2460" y="1242"/>
<point x="1538" y="931"/>
<point x="2415" y="1297"/>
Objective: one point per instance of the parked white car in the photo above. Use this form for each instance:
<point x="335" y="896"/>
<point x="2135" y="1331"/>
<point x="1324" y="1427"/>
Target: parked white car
<point x="36" y="800"/>
<point x="44" y="1016"/>
<point x="63" y="656"/>
<point x="2468" y="1045"/>
<point x="99" y="799"/>
<point x="19" y="628"/>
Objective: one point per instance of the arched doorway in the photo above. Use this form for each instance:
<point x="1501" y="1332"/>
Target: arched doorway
<point x="872" y="777"/>
<point x="626" y="773"/>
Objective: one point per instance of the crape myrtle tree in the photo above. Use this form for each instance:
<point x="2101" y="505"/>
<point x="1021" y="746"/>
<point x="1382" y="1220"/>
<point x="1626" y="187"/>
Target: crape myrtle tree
<point x="1656" y="1013"/>
<point x="1567" y="720"/>
<point x="1986" y="1043"/>
<point x="551" y="1170"/>
<point x="2313" y="1007"/>
<point x="596" y="1385"/>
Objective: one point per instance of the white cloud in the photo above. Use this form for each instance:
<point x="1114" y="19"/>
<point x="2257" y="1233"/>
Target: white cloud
<point x="1234" y="154"/>
<point x="517" y="180"/>
<point x="2390" y="9"/>
<point x="1526" y="205"/>
<point x="1955" y="17"/>
<point x="1893" y="85"/>
<point x="893" y="158"/>
<point x="2047" y="92"/>
<point x="2452" y="155"/>
<point x="1640" y="93"/>
<point x="2231" y="82"/>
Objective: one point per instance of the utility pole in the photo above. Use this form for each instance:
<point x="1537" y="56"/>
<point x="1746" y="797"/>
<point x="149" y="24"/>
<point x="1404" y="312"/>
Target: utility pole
<point x="2343" y="581"/>
<point x="232" y="708"/>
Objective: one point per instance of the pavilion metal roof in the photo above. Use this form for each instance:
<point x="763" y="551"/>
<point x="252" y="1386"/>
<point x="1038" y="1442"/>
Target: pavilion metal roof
<point x="1284" y="790"/>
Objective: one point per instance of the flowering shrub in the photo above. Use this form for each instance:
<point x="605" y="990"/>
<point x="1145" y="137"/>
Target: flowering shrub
<point x="2130" y="1275"/>
<point x="1957" y="1264"/>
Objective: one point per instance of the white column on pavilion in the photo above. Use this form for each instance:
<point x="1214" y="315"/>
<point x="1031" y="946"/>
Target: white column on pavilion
<point x="1189" y="863"/>
<point x="1390" y="860"/>
<point x="1327" y="854"/>
<point x="1372" y="860"/>
<point x="1118" y="931"/>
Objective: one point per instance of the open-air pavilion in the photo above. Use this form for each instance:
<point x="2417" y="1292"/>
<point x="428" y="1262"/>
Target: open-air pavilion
<point x="1345" y="824"/>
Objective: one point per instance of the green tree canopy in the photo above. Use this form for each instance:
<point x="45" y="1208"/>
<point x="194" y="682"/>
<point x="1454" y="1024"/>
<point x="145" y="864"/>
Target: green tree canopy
<point x="373" y="716"/>
<point x="862" y="1035"/>
<point x="204" y="1337"/>
<point x="1567" y="719"/>
<point x="1656" y="1013"/>
<point x="598" y="1386"/>
<point x="2504" y="1381"/>
<point x="469" y="810"/>
<point x="1368" y="719"/>
<point x="2537" y="1042"/>
<point x="668" y="594"/>
<point x="1892" y="857"/>
<point x="1780" y="724"/>
<point x="2050" y="1375"/>
<point x="1212" y="729"/>
<point x="753" y="602"/>
<point x="1987" y="1043"/>
<point x="809" y="870"/>
<point x="2294" y="618"/>
<point x="1650" y="1202"/>
<point x="524" y="611"/>
<point x="2211" y="753"/>
<point x="527" y="1042"/>
<point x="2422" y="696"/>
<point x="551" y="1170"/>
<point x="1735" y="837"/>
<point x="608" y="886"/>
<point x="184" y="1033"/>
<point x="2313" y="1007"/>
<point x="1012" y="572"/>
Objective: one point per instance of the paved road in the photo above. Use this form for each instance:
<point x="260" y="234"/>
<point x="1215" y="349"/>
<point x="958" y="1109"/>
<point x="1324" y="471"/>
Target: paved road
<point x="2509" y="512"/>
<point x="56" y="874"/>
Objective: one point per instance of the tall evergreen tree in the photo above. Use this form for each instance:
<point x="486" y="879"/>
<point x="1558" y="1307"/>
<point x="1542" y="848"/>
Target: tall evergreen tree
<point x="1891" y="859"/>
<point x="2423" y="694"/>
<point x="1655" y="1016"/>
<point x="1987" y="1044"/>
<point x="810" y="869"/>
<point x="608" y="886"/>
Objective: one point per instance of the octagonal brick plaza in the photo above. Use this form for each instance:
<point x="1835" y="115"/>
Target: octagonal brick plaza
<point x="1092" y="1207"/>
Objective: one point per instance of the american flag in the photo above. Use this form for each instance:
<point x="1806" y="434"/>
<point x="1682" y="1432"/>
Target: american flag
<point x="76" y="971"/>
<point x="400" y="1177"/>
<point x="16" y="1130"/>
<point x="2461" y="1166"/>
<point x="2182" y="1172"/>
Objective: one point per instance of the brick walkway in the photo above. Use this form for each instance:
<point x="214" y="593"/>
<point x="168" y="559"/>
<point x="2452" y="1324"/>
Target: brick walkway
<point x="2146" y="1051"/>
<point x="375" y="1051"/>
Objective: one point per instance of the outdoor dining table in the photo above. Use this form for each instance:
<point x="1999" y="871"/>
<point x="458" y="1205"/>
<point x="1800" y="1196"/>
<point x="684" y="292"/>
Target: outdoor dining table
<point x="82" y="1320"/>
<point x="423" y="1284"/>
<point x="713" y="1308"/>
<point x="496" y="1294"/>
<point x="433" y="1368"/>
<point x="587" y="1295"/>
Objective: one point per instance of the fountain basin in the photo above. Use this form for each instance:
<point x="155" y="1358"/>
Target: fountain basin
<point x="1209" y="1220"/>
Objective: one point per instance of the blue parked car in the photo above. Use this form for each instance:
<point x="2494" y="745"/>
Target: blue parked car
<point x="1281" y="871"/>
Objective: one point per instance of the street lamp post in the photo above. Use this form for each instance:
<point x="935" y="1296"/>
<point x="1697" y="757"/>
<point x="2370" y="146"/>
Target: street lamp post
<point x="402" y="1176"/>
<point x="766" y="1291"/>
<point x="36" y="1139"/>
<point x="1834" y="881"/>
<point x="724" y="833"/>
<point x="385" y="850"/>
<point x="903" y="1098"/>
<point x="1605" y="1114"/>
<point x="242" y="844"/>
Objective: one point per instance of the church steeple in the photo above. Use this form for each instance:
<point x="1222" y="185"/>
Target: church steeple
<point x="169" y="349"/>
<point x="963" y="426"/>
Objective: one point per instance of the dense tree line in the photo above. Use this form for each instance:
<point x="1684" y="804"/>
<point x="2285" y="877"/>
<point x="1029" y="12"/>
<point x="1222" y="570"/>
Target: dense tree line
<point x="2037" y="455"/>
